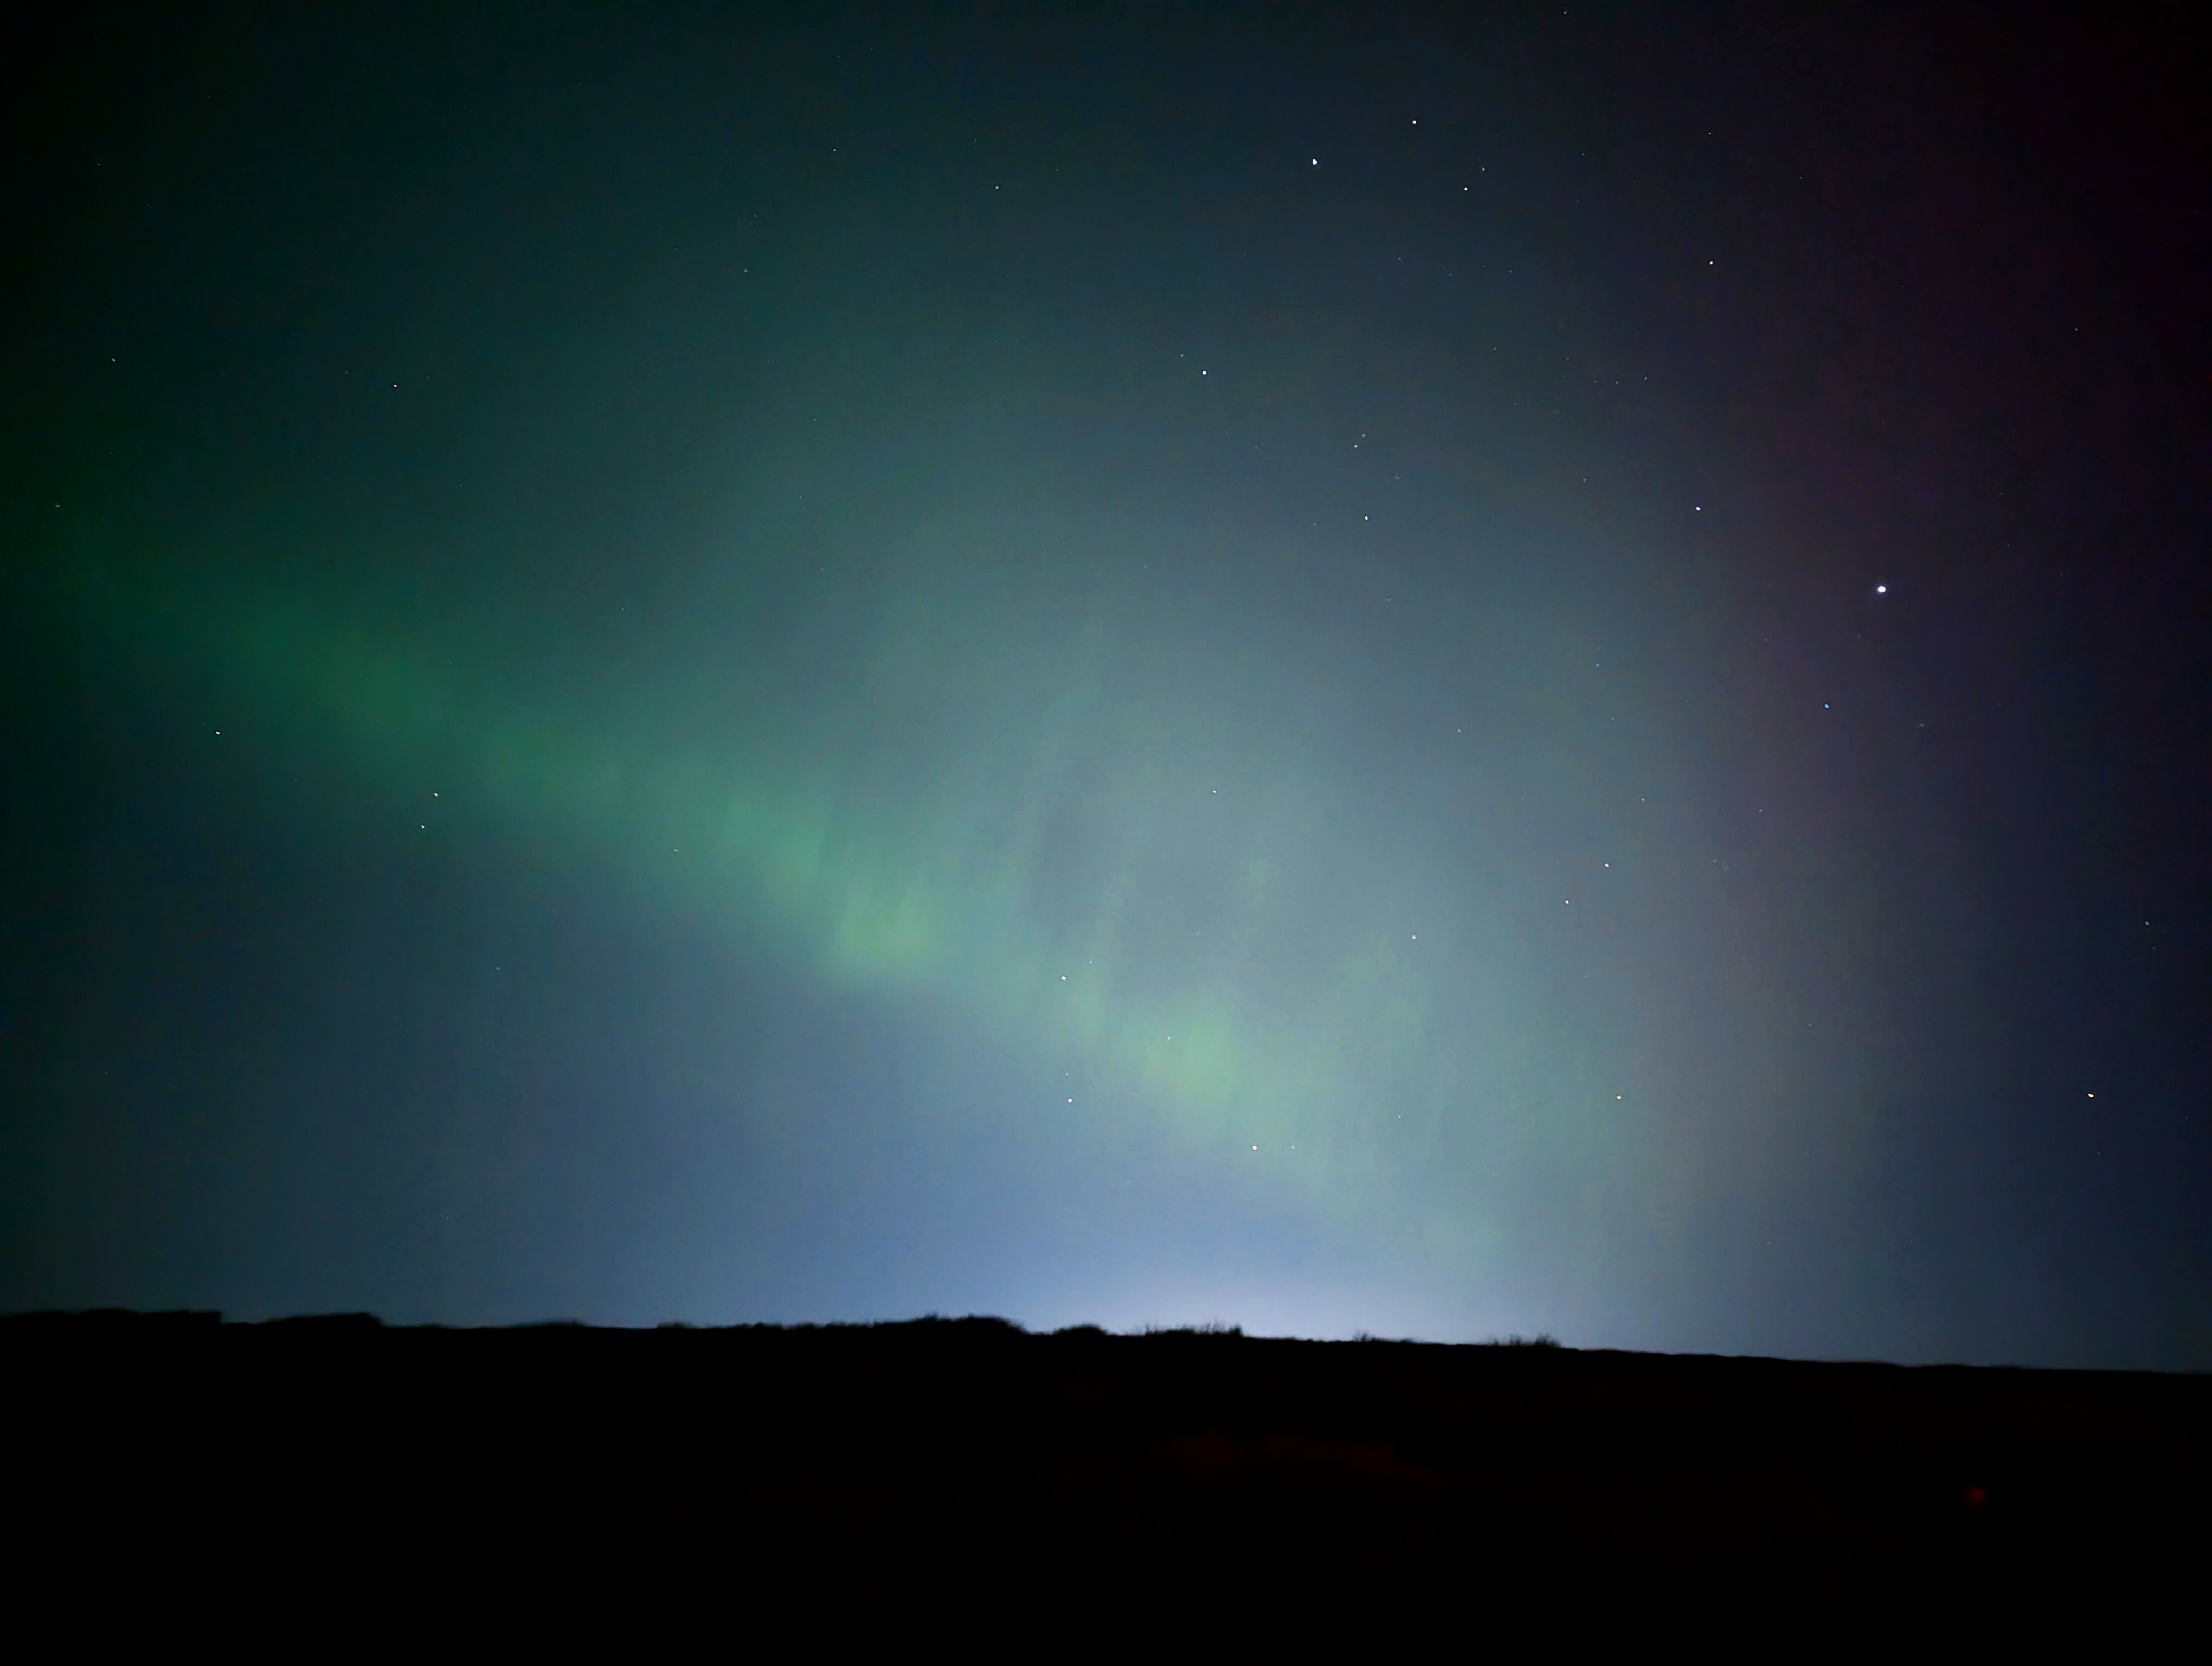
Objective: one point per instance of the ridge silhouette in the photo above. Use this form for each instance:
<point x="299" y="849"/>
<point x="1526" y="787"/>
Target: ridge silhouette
<point x="886" y="1470"/>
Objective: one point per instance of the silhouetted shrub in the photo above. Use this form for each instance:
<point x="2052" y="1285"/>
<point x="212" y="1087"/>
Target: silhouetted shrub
<point x="323" y="1324"/>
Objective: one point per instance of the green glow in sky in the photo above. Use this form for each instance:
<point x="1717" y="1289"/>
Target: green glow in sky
<point x="1193" y="964"/>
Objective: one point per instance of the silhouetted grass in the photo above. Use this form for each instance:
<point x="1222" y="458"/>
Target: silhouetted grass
<point x="837" y="1471"/>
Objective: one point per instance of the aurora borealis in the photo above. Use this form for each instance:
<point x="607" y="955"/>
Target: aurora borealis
<point x="1426" y="675"/>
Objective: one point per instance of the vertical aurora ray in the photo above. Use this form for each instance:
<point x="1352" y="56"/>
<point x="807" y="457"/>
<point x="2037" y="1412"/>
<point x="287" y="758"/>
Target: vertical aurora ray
<point x="1391" y="1081"/>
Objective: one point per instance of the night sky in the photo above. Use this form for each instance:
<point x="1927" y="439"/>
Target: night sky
<point x="1437" y="671"/>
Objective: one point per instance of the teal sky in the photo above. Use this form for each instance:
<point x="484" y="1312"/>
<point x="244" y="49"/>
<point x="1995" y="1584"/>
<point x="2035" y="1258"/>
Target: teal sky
<point x="1105" y="670"/>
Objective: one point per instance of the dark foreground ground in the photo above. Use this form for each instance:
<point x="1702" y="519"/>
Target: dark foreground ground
<point x="963" y="1477"/>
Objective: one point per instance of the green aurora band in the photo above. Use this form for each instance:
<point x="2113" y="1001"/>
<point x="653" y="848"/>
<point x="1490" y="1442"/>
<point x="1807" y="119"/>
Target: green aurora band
<point x="1379" y="1082"/>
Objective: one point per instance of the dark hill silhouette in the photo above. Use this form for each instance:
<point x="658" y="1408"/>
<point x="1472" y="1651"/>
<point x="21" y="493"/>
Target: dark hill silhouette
<point x="963" y="1473"/>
